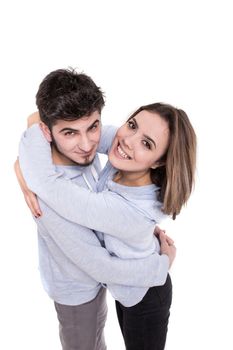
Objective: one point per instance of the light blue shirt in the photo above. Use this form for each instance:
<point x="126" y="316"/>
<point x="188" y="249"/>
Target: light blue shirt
<point x="124" y="217"/>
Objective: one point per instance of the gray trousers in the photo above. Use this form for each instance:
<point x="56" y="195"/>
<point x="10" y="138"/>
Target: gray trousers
<point x="82" y="326"/>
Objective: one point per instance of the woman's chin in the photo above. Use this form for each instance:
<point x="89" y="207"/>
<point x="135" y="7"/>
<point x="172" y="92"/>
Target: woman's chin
<point x="115" y="162"/>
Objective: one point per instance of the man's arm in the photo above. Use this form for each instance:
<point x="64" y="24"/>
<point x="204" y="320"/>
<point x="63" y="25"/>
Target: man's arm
<point x="150" y="271"/>
<point x="95" y="260"/>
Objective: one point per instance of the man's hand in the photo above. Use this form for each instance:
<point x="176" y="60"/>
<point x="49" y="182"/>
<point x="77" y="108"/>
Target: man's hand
<point x="29" y="196"/>
<point x="157" y="232"/>
<point x="166" y="248"/>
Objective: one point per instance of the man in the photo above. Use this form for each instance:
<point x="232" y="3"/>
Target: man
<point x="70" y="107"/>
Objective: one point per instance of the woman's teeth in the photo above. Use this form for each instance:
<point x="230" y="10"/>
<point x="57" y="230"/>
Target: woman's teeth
<point x="122" y="153"/>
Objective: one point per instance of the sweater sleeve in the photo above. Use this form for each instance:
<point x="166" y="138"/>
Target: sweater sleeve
<point x="96" y="261"/>
<point x="107" y="135"/>
<point x="106" y="211"/>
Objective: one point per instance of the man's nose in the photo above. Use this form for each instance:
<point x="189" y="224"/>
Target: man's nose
<point x="85" y="144"/>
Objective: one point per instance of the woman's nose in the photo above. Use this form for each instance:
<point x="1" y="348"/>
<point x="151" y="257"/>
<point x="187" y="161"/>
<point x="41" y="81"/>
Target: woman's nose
<point x="128" y="142"/>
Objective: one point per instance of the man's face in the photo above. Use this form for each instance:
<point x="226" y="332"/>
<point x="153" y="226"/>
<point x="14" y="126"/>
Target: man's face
<point x="75" y="142"/>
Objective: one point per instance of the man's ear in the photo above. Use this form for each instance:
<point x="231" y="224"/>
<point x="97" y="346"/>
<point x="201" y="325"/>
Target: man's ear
<point x="46" y="131"/>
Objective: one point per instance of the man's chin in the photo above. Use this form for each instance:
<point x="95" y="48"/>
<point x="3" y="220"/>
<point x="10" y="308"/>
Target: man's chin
<point x="86" y="162"/>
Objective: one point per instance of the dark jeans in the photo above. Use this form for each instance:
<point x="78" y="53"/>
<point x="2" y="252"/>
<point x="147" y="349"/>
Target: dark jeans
<point x="144" y="325"/>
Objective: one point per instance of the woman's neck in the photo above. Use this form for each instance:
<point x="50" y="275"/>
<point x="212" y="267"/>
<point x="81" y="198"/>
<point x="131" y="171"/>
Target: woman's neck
<point x="133" y="179"/>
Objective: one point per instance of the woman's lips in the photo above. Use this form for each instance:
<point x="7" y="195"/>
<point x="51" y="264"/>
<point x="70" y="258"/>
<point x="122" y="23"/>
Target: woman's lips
<point x="121" y="153"/>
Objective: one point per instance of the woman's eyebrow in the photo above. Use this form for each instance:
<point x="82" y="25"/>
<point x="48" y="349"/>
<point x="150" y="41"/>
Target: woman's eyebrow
<point x="146" y="136"/>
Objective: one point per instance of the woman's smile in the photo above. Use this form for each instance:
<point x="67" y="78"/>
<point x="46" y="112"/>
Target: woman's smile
<point x="122" y="153"/>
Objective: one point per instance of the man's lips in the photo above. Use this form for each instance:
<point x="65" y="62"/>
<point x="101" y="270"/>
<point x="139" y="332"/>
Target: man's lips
<point x="84" y="154"/>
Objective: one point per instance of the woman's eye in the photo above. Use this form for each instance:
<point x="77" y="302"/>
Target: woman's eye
<point x="131" y="124"/>
<point x="146" y="144"/>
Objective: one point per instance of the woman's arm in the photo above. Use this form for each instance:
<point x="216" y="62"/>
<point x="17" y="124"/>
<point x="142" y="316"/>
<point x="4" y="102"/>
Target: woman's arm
<point x="107" y="135"/>
<point x="34" y="118"/>
<point x="29" y="196"/>
<point x="106" y="211"/>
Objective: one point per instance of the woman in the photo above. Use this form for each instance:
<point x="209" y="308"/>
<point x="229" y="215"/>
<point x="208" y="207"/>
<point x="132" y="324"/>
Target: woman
<point x="150" y="173"/>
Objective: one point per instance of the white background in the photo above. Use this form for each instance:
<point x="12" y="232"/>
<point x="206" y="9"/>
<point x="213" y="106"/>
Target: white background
<point x="138" y="52"/>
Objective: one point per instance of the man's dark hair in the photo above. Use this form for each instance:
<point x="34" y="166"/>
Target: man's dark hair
<point x="65" y="94"/>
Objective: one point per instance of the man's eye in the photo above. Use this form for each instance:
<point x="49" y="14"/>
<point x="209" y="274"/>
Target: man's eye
<point x="69" y="133"/>
<point x="94" y="127"/>
<point x="131" y="124"/>
<point x="146" y="144"/>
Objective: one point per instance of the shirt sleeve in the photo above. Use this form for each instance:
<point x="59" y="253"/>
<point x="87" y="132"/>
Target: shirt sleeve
<point x="107" y="135"/>
<point x="106" y="211"/>
<point x="95" y="260"/>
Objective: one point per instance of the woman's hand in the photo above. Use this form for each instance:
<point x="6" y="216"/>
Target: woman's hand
<point x="29" y="196"/>
<point x="34" y="118"/>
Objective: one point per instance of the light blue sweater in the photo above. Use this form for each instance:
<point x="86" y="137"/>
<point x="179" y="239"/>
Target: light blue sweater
<point x="126" y="216"/>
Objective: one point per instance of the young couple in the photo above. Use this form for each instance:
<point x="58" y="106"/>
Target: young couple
<point x="96" y="228"/>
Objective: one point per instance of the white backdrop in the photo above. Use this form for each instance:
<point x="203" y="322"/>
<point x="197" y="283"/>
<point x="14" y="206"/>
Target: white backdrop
<point x="138" y="52"/>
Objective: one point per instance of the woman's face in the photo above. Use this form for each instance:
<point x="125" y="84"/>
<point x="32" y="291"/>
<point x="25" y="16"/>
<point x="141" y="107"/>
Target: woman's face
<point x="140" y="143"/>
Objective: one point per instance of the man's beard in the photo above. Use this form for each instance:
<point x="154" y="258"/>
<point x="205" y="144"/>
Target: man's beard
<point x="84" y="164"/>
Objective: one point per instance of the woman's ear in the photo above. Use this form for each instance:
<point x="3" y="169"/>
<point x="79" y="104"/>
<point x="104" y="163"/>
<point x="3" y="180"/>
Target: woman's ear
<point x="46" y="131"/>
<point x="158" y="164"/>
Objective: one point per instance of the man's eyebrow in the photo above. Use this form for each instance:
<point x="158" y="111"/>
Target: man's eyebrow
<point x="96" y="121"/>
<point x="68" y="129"/>
<point x="146" y="136"/>
<point x="76" y="130"/>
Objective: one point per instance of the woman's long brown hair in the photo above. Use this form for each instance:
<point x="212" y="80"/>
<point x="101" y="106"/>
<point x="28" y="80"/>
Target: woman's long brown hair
<point x="175" y="176"/>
